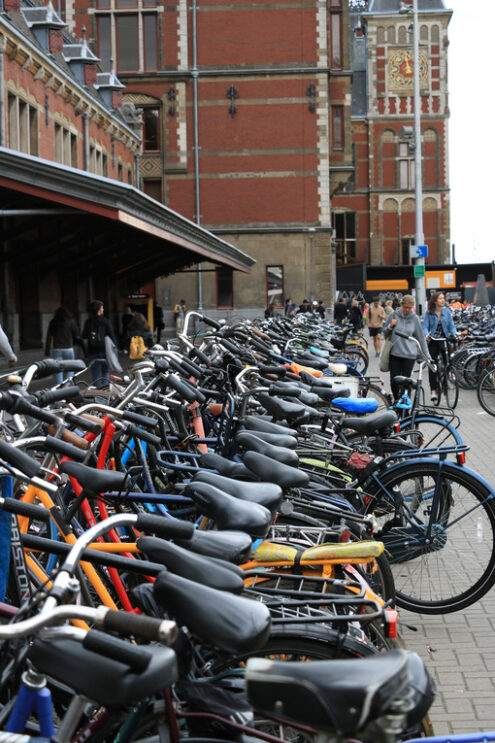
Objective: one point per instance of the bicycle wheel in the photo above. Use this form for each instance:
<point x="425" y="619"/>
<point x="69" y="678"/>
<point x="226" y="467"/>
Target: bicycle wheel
<point x="359" y="356"/>
<point x="375" y="392"/>
<point x="486" y="391"/>
<point x="430" y="431"/>
<point x="444" y="563"/>
<point x="450" y="387"/>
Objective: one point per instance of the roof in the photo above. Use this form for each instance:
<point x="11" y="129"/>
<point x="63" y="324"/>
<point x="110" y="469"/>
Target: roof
<point x="392" y="6"/>
<point x="54" y="213"/>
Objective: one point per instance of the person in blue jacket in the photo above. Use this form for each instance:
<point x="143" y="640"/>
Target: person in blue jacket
<point x="437" y="323"/>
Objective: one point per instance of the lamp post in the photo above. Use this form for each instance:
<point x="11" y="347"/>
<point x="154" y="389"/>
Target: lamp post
<point x="419" y="237"/>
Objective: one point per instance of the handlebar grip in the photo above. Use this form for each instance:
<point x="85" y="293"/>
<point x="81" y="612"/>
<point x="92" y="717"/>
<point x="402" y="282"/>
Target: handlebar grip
<point x="166" y="528"/>
<point x="199" y="355"/>
<point x="84" y="423"/>
<point x="138" y="433"/>
<point x="232" y="347"/>
<point x="211" y="323"/>
<point x="140" y="420"/>
<point x="191" y="368"/>
<point x="47" y="397"/>
<point x="47" y="367"/>
<point x="21" y="405"/>
<point x="11" y="505"/>
<point x="19" y="459"/>
<point x="140" y="625"/>
<point x="134" y="656"/>
<point x="186" y="390"/>
<point x="66" y="450"/>
<point x="162" y="365"/>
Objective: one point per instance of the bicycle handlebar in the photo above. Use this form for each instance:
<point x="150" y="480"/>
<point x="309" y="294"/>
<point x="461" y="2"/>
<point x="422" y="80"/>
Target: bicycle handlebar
<point x="430" y="364"/>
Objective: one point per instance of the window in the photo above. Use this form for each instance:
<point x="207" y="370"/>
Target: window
<point x="275" y="286"/>
<point x="104" y="40"/>
<point x="128" y="32"/>
<point x="59" y="152"/>
<point x="22" y="125"/>
<point x="120" y="172"/>
<point x="345" y="233"/>
<point x="150" y="42"/>
<point x="225" y="288"/>
<point x="336" y="41"/>
<point x="406" y="167"/>
<point x="151" y="129"/>
<point x="153" y="188"/>
<point x="126" y="28"/>
<point x="73" y="150"/>
<point x="337" y="127"/>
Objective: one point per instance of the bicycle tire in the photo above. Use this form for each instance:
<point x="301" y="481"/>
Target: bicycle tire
<point x="440" y="375"/>
<point x="435" y="431"/>
<point x="486" y="391"/>
<point x="447" y="574"/>
<point x="450" y="387"/>
<point x="375" y="392"/>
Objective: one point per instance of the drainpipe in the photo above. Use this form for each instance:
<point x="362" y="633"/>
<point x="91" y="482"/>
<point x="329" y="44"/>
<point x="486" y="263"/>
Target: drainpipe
<point x="86" y="141"/>
<point x="194" y="73"/>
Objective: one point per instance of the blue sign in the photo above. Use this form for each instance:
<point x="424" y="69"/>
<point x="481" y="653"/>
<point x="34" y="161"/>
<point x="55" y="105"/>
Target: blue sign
<point x="418" y="251"/>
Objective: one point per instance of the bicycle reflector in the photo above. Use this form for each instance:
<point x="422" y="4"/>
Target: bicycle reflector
<point x="461" y="457"/>
<point x="397" y="427"/>
<point x="391" y="620"/>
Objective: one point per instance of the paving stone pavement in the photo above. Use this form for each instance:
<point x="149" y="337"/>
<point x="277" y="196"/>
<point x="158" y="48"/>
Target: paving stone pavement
<point x="459" y="649"/>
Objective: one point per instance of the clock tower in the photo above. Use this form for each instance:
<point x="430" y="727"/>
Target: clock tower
<point x="388" y="118"/>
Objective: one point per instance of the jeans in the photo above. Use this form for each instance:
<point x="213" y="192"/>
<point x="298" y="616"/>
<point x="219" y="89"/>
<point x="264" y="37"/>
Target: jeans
<point x="63" y="354"/>
<point x="99" y="371"/>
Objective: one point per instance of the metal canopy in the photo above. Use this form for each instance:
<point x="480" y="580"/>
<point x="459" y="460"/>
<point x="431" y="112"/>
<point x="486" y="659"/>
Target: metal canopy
<point x="52" y="215"/>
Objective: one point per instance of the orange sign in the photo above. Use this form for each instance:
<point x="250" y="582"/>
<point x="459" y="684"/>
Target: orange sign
<point x="440" y="279"/>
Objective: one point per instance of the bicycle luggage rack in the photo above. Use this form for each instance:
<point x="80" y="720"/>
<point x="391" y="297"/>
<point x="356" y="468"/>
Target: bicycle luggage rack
<point x="440" y="451"/>
<point x="314" y="599"/>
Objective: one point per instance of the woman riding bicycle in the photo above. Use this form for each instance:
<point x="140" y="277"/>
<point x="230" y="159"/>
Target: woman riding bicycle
<point x="437" y="324"/>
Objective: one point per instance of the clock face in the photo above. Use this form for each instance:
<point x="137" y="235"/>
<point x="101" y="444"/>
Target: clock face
<point x="401" y="70"/>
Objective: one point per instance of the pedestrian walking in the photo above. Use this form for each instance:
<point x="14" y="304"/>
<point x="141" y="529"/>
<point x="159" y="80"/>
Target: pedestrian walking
<point x="340" y="312"/>
<point x="403" y="352"/>
<point x="290" y="307"/>
<point x="138" y="325"/>
<point x="95" y="330"/>
<point x="269" y="310"/>
<point x="6" y="348"/>
<point x="180" y="310"/>
<point x="158" y="320"/>
<point x="356" y="316"/>
<point x="320" y="309"/>
<point x="374" y="320"/>
<point x="60" y="338"/>
<point x="388" y="307"/>
<point x="305" y="306"/>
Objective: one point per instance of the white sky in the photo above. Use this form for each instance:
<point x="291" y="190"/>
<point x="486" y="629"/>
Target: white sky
<point x="472" y="121"/>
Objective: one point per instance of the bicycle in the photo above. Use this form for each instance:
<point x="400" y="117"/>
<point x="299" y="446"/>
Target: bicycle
<point x="447" y="384"/>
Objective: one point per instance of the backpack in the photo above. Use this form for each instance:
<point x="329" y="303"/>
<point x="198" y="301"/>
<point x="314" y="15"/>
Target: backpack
<point x="137" y="348"/>
<point x="96" y="337"/>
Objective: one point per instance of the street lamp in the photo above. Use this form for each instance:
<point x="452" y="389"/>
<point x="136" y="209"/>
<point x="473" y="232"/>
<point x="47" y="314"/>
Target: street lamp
<point x="419" y="237"/>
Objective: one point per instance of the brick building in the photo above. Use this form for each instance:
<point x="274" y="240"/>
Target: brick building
<point x="236" y="131"/>
<point x="273" y="124"/>
<point x="73" y="224"/>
